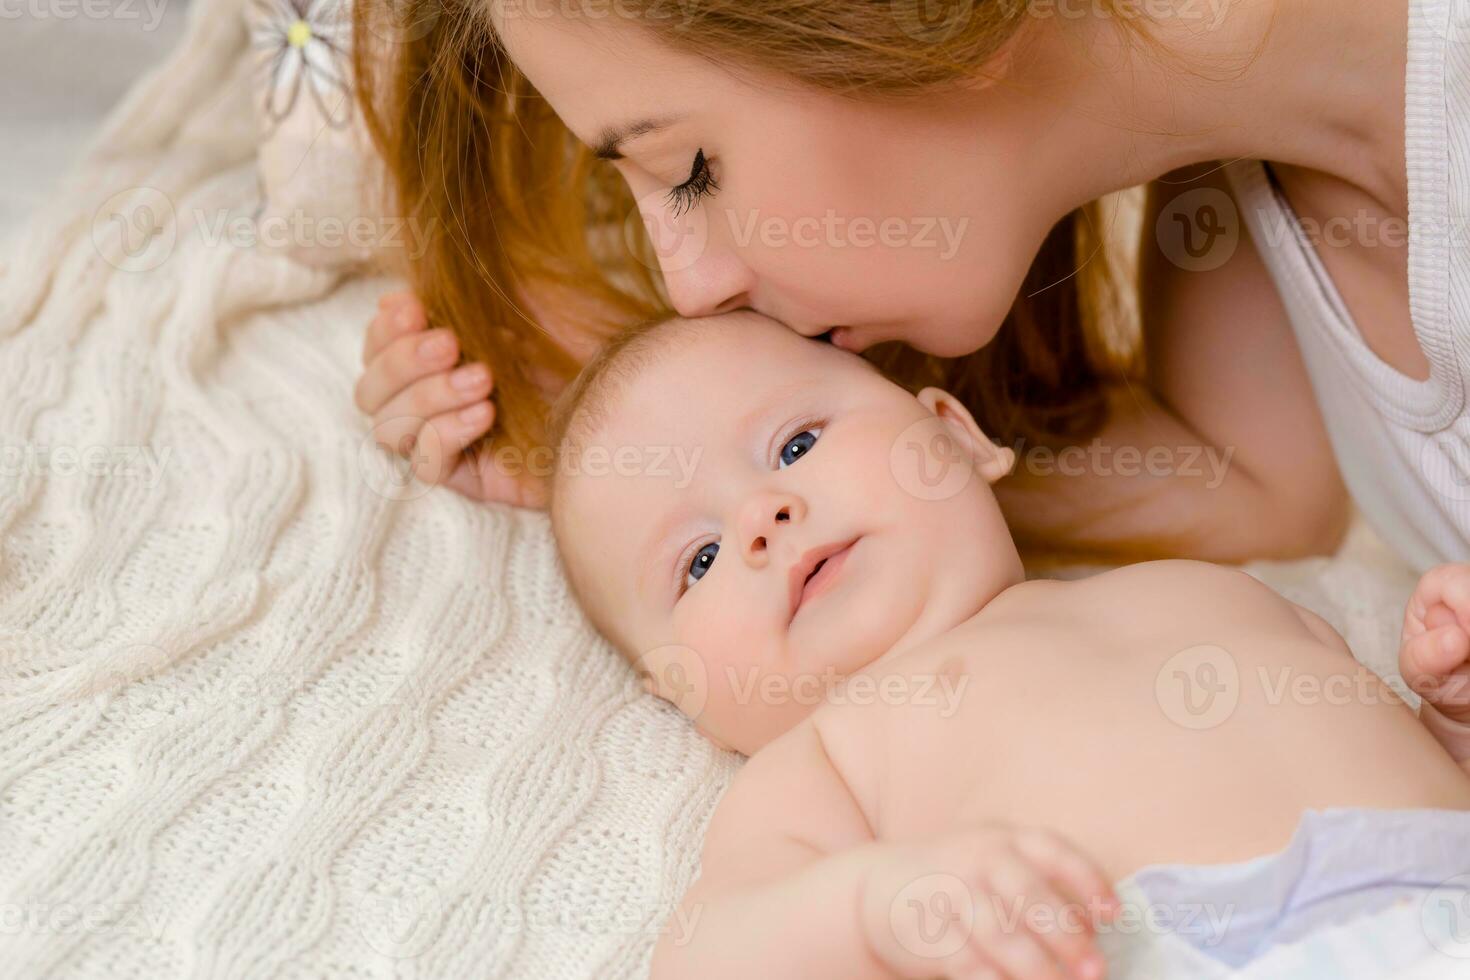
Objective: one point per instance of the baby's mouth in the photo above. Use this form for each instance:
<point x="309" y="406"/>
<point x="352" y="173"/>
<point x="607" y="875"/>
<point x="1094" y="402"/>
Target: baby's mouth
<point x="814" y="573"/>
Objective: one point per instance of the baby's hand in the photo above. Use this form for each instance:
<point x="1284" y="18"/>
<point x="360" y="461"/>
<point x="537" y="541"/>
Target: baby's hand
<point x="1436" y="641"/>
<point x="425" y="408"/>
<point x="992" y="902"/>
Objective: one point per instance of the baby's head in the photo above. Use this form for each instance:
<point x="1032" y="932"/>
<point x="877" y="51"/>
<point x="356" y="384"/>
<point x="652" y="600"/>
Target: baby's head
<point x="747" y="513"/>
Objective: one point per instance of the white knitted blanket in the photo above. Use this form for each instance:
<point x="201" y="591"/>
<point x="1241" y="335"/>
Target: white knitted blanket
<point x="266" y="710"/>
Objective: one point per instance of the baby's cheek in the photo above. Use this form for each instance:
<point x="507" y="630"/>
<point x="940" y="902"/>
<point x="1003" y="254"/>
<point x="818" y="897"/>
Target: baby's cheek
<point x="726" y="638"/>
<point x="735" y="647"/>
<point x="719" y="628"/>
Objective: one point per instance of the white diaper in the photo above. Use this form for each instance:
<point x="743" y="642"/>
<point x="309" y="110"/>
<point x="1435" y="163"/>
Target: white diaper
<point x="1356" y="894"/>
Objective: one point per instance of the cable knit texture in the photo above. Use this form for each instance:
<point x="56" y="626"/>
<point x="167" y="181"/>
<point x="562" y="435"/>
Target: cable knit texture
<point x="267" y="710"/>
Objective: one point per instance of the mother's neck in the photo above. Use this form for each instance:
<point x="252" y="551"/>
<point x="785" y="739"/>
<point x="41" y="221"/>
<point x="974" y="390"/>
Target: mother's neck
<point x="1314" y="83"/>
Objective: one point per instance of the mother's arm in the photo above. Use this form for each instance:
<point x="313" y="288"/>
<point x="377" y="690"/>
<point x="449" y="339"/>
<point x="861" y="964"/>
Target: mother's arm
<point x="1227" y="412"/>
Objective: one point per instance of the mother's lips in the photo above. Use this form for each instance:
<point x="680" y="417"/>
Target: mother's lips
<point x="814" y="570"/>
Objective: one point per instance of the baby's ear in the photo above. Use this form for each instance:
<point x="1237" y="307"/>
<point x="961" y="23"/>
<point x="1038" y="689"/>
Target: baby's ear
<point x="992" y="461"/>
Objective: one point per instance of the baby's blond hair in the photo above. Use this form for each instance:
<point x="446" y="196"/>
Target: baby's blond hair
<point x="576" y="413"/>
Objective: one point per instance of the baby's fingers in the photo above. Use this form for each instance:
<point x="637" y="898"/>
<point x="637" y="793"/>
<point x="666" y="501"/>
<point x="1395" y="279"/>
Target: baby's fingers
<point x="1447" y="585"/>
<point x="1074" y="871"/>
<point x="1429" y="663"/>
<point x="1026" y="902"/>
<point x="1002" y="940"/>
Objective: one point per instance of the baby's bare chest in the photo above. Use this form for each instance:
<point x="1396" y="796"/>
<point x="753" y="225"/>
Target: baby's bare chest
<point x="1035" y="722"/>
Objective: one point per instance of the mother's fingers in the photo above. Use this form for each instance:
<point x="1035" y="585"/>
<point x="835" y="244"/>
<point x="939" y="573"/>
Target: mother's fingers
<point x="402" y="362"/>
<point x="433" y="396"/>
<point x="443" y="438"/>
<point x="395" y="317"/>
<point x="503" y="480"/>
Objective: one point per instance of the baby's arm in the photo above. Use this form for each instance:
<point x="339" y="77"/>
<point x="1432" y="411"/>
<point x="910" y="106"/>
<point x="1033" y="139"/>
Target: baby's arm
<point x="793" y="884"/>
<point x="1434" y="653"/>
<point x="771" y="900"/>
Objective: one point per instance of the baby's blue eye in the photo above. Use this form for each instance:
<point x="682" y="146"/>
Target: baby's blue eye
<point x="798" y="446"/>
<point x="703" y="559"/>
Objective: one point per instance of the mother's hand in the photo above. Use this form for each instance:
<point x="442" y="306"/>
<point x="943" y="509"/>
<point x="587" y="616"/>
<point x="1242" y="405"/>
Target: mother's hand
<point x="428" y="410"/>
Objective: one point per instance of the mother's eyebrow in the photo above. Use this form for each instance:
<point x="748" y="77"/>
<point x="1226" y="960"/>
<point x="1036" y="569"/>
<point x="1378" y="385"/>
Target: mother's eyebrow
<point x="609" y="145"/>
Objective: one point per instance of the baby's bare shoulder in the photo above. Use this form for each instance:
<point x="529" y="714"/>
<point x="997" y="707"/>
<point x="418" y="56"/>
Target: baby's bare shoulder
<point x="1180" y="579"/>
<point x="1183" y="570"/>
<point x="1189" y="594"/>
<point x="1146" y="596"/>
<point x="787" y="804"/>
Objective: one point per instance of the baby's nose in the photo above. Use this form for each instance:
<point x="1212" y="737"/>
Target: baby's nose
<point x="763" y="518"/>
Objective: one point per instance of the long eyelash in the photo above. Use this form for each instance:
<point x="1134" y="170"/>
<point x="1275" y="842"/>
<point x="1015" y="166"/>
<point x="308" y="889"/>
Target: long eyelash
<point x="701" y="182"/>
<point x="792" y="430"/>
<point x="685" y="565"/>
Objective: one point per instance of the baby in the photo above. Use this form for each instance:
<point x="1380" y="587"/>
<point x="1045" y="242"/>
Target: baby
<point x="948" y="763"/>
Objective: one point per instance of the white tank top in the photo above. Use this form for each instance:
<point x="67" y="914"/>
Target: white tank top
<point x="1403" y="445"/>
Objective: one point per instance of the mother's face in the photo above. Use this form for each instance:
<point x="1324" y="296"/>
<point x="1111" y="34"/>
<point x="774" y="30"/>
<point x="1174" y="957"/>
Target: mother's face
<point x="911" y="221"/>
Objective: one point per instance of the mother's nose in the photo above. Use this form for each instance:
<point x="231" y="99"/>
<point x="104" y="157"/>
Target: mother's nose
<point x="764" y="516"/>
<point x="714" y="282"/>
